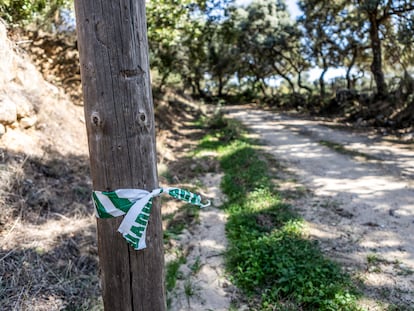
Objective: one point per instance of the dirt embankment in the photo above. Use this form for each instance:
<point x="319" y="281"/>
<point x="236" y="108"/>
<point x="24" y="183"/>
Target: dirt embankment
<point x="48" y="253"/>
<point x="48" y="256"/>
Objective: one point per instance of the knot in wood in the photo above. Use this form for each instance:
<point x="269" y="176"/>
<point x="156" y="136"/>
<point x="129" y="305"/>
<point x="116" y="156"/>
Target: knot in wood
<point x="142" y="119"/>
<point x="96" y="119"/>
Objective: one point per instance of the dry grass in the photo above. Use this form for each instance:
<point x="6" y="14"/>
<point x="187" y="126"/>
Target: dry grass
<point x="48" y="252"/>
<point x="48" y="255"/>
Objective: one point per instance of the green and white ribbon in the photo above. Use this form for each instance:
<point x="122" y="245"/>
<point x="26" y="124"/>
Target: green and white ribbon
<point x="136" y="205"/>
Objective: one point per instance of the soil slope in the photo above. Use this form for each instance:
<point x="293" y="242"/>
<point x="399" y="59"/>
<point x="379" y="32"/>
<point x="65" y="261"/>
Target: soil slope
<point x="48" y="252"/>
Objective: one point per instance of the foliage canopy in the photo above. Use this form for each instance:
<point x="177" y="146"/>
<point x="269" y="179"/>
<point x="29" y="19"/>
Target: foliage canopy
<point x="220" y="50"/>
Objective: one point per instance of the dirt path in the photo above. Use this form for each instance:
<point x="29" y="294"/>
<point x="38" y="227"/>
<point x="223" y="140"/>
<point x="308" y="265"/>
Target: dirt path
<point x="361" y="201"/>
<point x="203" y="285"/>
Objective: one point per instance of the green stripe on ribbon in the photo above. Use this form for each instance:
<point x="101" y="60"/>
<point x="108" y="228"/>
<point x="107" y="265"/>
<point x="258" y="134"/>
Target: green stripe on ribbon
<point x="100" y="209"/>
<point x="120" y="203"/>
<point x="136" y="205"/>
<point x="185" y="195"/>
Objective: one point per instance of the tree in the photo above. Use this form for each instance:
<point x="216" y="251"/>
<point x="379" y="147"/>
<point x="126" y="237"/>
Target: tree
<point x="321" y="25"/>
<point x="341" y="32"/>
<point x="222" y="54"/>
<point x="168" y="21"/>
<point x="208" y="54"/>
<point x="268" y="42"/>
<point x="180" y="32"/>
<point x="120" y="124"/>
<point x="382" y="16"/>
<point x="26" y="11"/>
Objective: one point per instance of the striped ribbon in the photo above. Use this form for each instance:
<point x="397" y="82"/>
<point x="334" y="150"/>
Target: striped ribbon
<point x="136" y="205"/>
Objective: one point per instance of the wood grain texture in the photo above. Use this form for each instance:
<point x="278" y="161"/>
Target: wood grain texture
<point x="112" y="40"/>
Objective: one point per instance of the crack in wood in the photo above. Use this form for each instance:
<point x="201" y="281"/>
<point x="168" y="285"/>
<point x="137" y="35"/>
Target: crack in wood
<point x="132" y="73"/>
<point x="100" y="34"/>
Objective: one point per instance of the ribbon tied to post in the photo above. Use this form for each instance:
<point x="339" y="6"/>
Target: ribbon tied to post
<point x="136" y="205"/>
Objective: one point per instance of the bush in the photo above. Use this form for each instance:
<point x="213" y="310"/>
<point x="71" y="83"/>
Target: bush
<point x="25" y="11"/>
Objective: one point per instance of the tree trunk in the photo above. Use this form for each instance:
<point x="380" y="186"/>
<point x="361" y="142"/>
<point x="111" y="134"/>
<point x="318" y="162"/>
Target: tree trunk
<point x="262" y="86"/>
<point x="322" y="78"/>
<point x="220" y="86"/>
<point x="349" y="81"/>
<point x="285" y="77"/>
<point x="119" y="118"/>
<point x="290" y="82"/>
<point x="322" y="83"/>
<point x="376" y="65"/>
<point x="300" y="84"/>
<point x="200" y="91"/>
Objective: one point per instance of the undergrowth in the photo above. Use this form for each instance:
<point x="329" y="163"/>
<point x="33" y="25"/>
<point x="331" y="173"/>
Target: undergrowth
<point x="268" y="257"/>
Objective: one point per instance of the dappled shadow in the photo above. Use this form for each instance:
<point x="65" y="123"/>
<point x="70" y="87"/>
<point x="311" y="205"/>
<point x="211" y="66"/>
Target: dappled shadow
<point x="358" y="210"/>
<point x="394" y="156"/>
<point x="177" y="135"/>
<point x="248" y="178"/>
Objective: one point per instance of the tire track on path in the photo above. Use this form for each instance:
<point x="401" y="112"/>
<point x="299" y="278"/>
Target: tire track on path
<point x="361" y="211"/>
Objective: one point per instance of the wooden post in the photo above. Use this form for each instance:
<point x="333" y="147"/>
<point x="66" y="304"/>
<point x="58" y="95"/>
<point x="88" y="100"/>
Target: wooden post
<point x="113" y="46"/>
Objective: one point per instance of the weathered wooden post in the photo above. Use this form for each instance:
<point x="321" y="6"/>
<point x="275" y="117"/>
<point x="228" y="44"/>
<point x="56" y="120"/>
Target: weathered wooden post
<point x="112" y="39"/>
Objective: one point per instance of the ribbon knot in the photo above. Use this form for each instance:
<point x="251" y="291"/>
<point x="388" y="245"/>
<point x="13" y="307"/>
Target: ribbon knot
<point x="136" y="205"/>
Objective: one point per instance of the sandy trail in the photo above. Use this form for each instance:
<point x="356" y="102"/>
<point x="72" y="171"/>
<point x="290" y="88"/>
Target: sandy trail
<point x="361" y="207"/>
<point x="204" y="284"/>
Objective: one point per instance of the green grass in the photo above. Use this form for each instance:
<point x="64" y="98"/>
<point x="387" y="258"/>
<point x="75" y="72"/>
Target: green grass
<point x="172" y="272"/>
<point x="268" y="257"/>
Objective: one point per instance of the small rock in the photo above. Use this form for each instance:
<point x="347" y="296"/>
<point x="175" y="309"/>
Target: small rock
<point x="27" y="122"/>
<point x="8" y="112"/>
<point x="24" y="108"/>
<point x="2" y="129"/>
<point x="391" y="212"/>
<point x="41" y="126"/>
<point x="14" y="125"/>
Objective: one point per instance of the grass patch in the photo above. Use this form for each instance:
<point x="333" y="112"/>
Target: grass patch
<point x="196" y="266"/>
<point x="172" y="272"/>
<point x="268" y="256"/>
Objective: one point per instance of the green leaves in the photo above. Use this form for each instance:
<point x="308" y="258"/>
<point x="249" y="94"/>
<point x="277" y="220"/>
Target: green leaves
<point x="358" y="35"/>
<point x="25" y="11"/>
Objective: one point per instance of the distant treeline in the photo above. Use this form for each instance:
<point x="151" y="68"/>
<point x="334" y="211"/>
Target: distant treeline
<point x="219" y="50"/>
